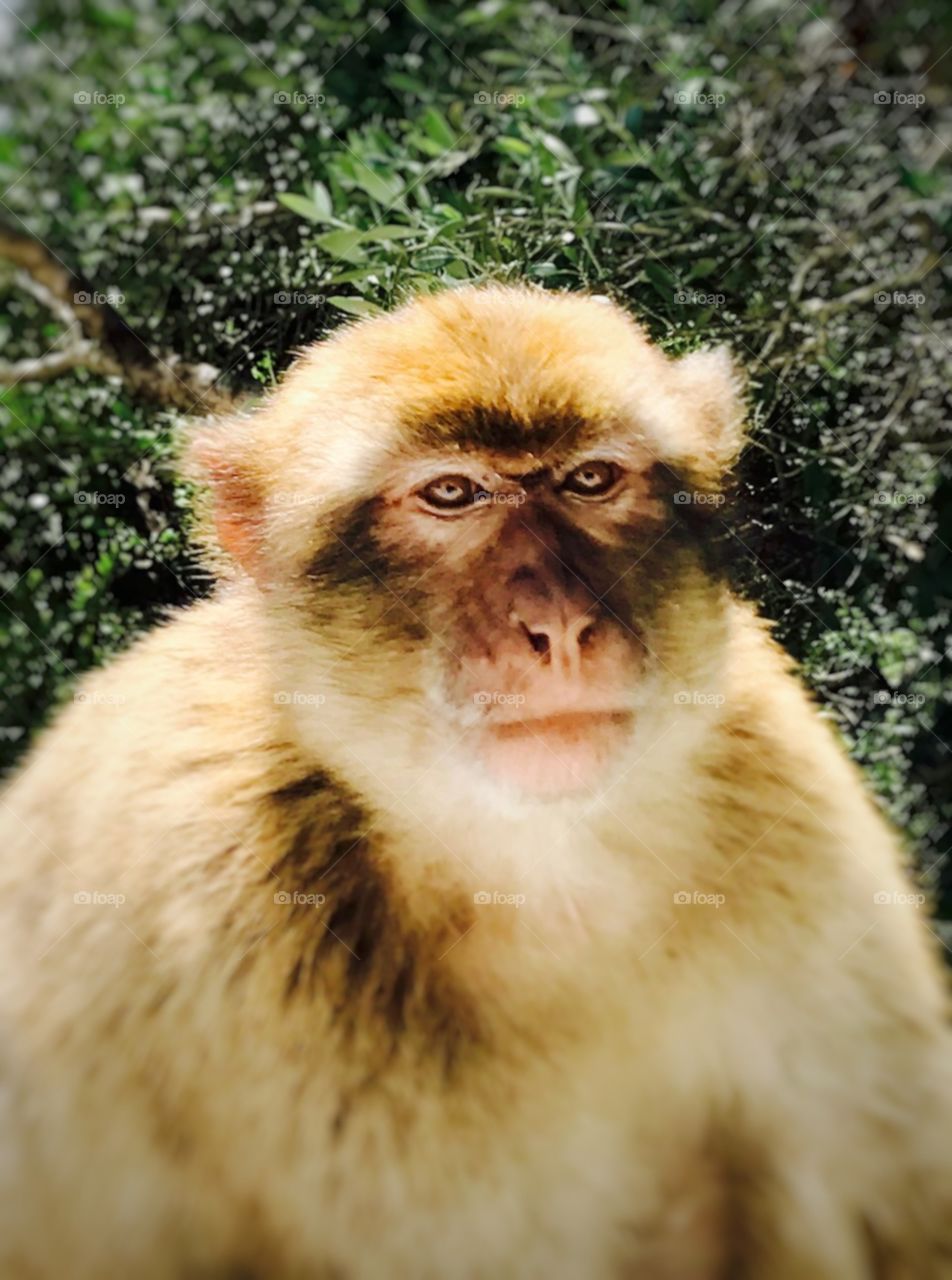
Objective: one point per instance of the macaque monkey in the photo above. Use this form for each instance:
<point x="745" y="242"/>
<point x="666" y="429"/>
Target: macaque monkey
<point x="468" y="890"/>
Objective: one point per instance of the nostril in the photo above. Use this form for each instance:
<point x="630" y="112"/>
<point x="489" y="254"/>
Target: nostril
<point x="539" y="641"/>
<point x="587" y="634"/>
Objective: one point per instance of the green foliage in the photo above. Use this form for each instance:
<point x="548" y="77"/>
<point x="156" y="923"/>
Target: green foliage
<point x="247" y="182"/>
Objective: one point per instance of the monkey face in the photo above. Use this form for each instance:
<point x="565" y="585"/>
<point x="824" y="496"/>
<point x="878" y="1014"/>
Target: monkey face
<point x="533" y="601"/>
<point x="536" y="578"/>
<point x="486" y="548"/>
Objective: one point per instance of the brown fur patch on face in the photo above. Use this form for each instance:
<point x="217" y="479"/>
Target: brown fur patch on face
<point x="353" y="578"/>
<point x="475" y="424"/>
<point x="356" y="580"/>
<point x="362" y="945"/>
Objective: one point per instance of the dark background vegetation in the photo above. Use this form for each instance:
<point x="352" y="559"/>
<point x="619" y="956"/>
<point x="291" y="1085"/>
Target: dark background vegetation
<point x="771" y="175"/>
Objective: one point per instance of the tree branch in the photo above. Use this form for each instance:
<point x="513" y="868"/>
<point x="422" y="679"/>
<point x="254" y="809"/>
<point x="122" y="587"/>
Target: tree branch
<point x="97" y="337"/>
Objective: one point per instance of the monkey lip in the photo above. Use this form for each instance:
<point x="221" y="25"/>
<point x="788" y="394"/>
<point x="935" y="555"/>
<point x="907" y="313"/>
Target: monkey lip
<point x="553" y="755"/>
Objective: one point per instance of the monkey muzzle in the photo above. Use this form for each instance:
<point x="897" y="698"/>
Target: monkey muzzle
<point x="547" y="683"/>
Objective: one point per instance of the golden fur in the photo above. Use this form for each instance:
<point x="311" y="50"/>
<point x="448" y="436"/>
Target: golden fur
<point x="710" y="1040"/>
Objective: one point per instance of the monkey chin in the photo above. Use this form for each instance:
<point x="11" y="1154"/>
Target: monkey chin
<point x="554" y="756"/>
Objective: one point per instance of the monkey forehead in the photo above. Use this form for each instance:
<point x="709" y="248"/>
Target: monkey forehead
<point x="492" y="367"/>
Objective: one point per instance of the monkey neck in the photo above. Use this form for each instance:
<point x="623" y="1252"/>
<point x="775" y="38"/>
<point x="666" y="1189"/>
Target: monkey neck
<point x="437" y="942"/>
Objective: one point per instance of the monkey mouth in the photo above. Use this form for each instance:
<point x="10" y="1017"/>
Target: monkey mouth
<point x="553" y="755"/>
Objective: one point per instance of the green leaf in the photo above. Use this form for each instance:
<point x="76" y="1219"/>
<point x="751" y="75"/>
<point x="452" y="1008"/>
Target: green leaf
<point x="448" y="213"/>
<point x="356" y="275"/>
<point x="634" y="119"/>
<point x="438" y="128"/>
<point x="391" y="231"/>
<point x="384" y="188"/>
<point x="9" y="149"/>
<point x="122" y="19"/>
<point x="506" y="58"/>
<point x="407" y="84"/>
<point x="303" y="206"/>
<point x="561" y="152"/>
<point x="664" y="283"/>
<point x="513" y="147"/>
<point x="501" y="193"/>
<point x="923" y="184"/>
<point x="344" y="243"/>
<point x="356" y="306"/>
<point x="703" y="268"/>
<point x="321" y="199"/>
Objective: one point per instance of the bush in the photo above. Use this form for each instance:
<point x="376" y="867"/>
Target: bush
<point x="762" y="176"/>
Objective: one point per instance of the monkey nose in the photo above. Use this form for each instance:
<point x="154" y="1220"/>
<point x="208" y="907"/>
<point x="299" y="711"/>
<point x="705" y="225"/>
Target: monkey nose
<point x="558" y="641"/>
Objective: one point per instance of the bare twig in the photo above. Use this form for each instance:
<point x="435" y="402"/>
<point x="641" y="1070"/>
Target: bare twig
<point x="859" y="297"/>
<point x="97" y="338"/>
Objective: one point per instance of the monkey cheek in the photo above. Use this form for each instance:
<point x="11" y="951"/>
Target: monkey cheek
<point x="560" y="756"/>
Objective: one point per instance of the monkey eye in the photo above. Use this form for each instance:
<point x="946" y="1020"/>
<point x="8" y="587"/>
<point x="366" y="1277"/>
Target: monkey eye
<point x="452" y="493"/>
<point x="591" y="479"/>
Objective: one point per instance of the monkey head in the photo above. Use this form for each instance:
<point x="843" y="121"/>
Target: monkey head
<point x="479" y="528"/>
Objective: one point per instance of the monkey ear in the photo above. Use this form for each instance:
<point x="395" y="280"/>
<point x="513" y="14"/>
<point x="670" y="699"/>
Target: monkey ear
<point x="715" y="388"/>
<point x="230" y="508"/>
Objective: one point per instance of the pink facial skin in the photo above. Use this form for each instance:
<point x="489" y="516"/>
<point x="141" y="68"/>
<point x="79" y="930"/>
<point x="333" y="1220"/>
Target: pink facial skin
<point x="536" y="668"/>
